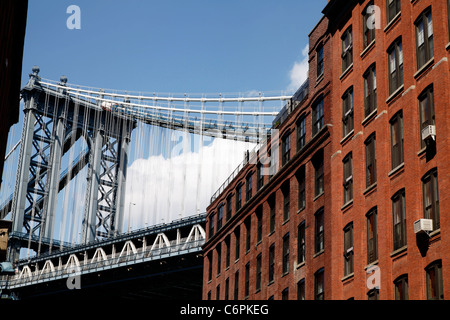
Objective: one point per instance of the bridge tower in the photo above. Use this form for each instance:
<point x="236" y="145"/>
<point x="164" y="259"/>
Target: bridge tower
<point x="53" y="122"/>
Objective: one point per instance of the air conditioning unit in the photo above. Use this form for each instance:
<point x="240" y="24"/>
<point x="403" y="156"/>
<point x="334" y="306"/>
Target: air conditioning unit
<point x="423" y="226"/>
<point x="429" y="132"/>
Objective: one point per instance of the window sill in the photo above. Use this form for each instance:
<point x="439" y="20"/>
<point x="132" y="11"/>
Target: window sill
<point x="319" y="80"/>
<point x="392" y="22"/>
<point x="369" y="118"/>
<point x="346" y="72"/>
<point x="398" y="169"/>
<point x="301" y="264"/>
<point x="301" y="209"/>
<point x="347" y="137"/>
<point x="399" y="251"/>
<point x="424" y="68"/>
<point x="370" y="188"/>
<point x="395" y="93"/>
<point x="347" y="277"/>
<point x="285" y="221"/>
<point x="318" y="196"/>
<point x="368" y="48"/>
<point x="370" y="265"/>
<point x="318" y="253"/>
<point x="347" y="205"/>
<point x="447" y="46"/>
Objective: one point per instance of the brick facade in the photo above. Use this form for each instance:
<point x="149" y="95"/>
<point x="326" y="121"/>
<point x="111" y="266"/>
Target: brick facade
<point x="392" y="261"/>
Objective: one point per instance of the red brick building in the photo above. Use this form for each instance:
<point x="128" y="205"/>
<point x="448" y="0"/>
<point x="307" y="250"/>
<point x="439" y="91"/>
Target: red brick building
<point x="363" y="157"/>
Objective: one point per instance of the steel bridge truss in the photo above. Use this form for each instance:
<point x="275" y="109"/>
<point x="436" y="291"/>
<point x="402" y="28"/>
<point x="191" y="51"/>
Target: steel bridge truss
<point x="53" y="123"/>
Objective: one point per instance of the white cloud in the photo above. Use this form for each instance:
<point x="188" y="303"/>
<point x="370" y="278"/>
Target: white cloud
<point x="299" y="71"/>
<point x="165" y="189"/>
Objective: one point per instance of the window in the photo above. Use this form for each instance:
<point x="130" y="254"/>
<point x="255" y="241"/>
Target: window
<point x="348" y="178"/>
<point x="397" y="140"/>
<point x="285" y="189"/>
<point x="259" y="218"/>
<point x="286" y="148"/>
<point x="347" y="49"/>
<point x="301" y="243"/>
<point x="218" y="292"/>
<point x="401" y="288"/>
<point x="395" y="57"/>
<point x="249" y="187"/>
<point x="347" y="112"/>
<point x="247" y="280"/>
<point x="238" y="197"/>
<point x="370" y="90"/>
<point x="368" y="32"/>
<point x="211" y="224"/>
<point x="301" y="289"/>
<point x="260" y="176"/>
<point x="237" y="236"/>
<point x="434" y="281"/>
<point x="219" y="216"/>
<point x="236" y="285"/>
<point x="286" y="253"/>
<point x="431" y="198"/>
<point x="426" y="111"/>
<point x="227" y="288"/>
<point x="372" y="236"/>
<point x="219" y="258"/>
<point x="371" y="160"/>
<point x="319" y="290"/>
<point x="210" y="262"/>
<point x="285" y="294"/>
<point x="229" y="206"/>
<point x="318" y="173"/>
<point x="301" y="187"/>
<point x="373" y="294"/>
<point x="348" y="249"/>
<point x="271" y="263"/>
<point x="227" y="252"/>
<point x="317" y="116"/>
<point x="258" y="272"/>
<point x="301" y="133"/>
<point x="247" y="233"/>
<point x="399" y="215"/>
<point x="393" y="8"/>
<point x="272" y="213"/>
<point x="319" y="231"/>
<point x="424" y="38"/>
<point x="319" y="54"/>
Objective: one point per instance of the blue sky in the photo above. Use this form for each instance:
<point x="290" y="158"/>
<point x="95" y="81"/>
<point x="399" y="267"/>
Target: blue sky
<point x="171" y="46"/>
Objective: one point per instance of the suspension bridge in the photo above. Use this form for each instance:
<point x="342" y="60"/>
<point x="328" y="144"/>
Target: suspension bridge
<point x="69" y="201"/>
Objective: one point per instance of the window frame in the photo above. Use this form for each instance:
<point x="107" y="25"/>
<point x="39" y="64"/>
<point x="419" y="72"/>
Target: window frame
<point x="319" y="231"/>
<point x="395" y="76"/>
<point x="347" y="166"/>
<point x="397" y="149"/>
<point x="348" y="249"/>
<point x="286" y="191"/>
<point x="372" y="235"/>
<point x="317" y="115"/>
<point x="371" y="160"/>
<point x="370" y="90"/>
<point x="319" y="284"/>
<point x="347" y="48"/>
<point x="431" y="210"/>
<point x="368" y="33"/>
<point x="425" y="55"/>
<point x="301" y="180"/>
<point x="320" y="64"/>
<point x="239" y="196"/>
<point x="301" y="242"/>
<point x="271" y="271"/>
<point x="437" y="284"/>
<point x="392" y="9"/>
<point x="249" y="187"/>
<point x="399" y="220"/>
<point x="426" y="110"/>
<point x="318" y="164"/>
<point x="285" y="257"/>
<point x="401" y="287"/>
<point x="229" y="208"/>
<point x="301" y="132"/>
<point x="286" y="148"/>
<point x="347" y="112"/>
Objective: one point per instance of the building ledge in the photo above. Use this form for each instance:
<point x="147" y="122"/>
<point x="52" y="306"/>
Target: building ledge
<point x="348" y="277"/>
<point x="370" y="265"/>
<point x="399" y="252"/>
<point x="369" y="118"/>
<point x="318" y="253"/>
<point x="392" y="22"/>
<point x="347" y="205"/>
<point x="397" y="169"/>
<point x="424" y="68"/>
<point x="395" y="93"/>
<point x="347" y="137"/>
<point x="367" y="49"/>
<point x="447" y="46"/>
<point x="346" y="71"/>
<point x="370" y="188"/>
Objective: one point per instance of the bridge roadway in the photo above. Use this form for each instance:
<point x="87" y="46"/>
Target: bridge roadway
<point x="160" y="262"/>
